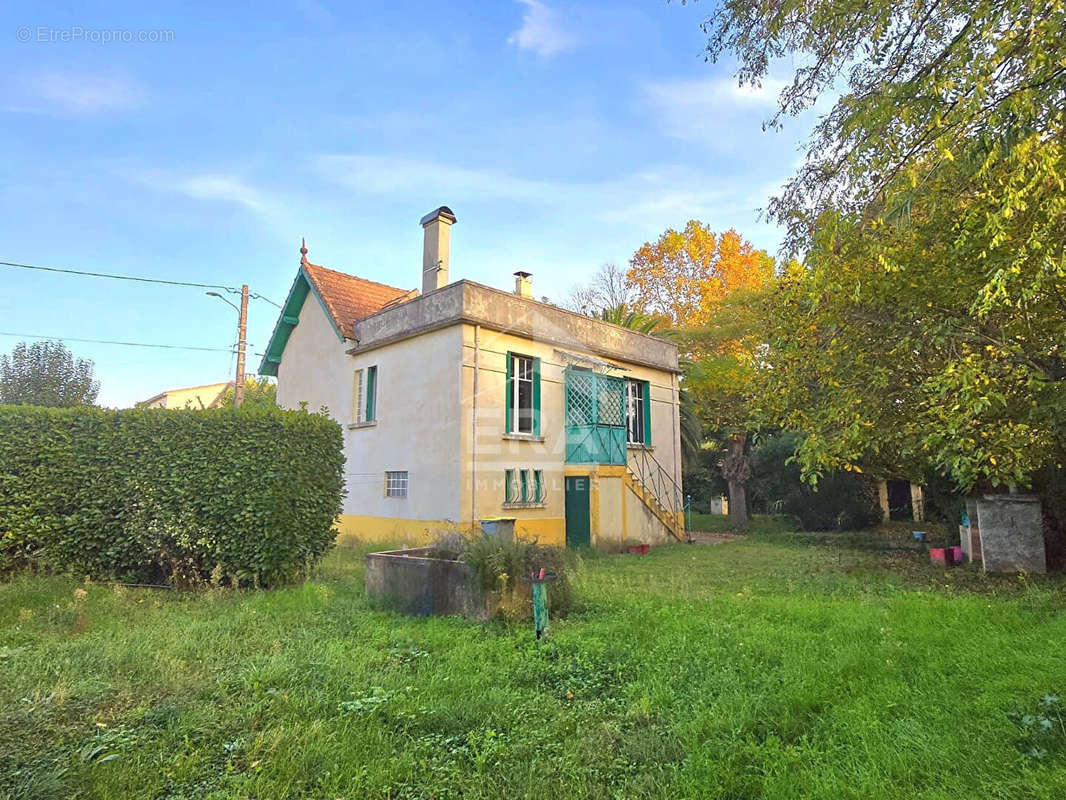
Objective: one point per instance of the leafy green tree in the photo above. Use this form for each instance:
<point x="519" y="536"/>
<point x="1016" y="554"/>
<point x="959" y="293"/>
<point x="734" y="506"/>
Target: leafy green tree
<point x="720" y="376"/>
<point x="258" y="393"/>
<point x="925" y="330"/>
<point x="46" y="374"/>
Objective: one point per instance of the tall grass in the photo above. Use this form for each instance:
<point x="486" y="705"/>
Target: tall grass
<point x="757" y="668"/>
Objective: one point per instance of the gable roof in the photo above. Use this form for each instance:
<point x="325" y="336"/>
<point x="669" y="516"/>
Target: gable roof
<point x="345" y="299"/>
<point x="348" y="298"/>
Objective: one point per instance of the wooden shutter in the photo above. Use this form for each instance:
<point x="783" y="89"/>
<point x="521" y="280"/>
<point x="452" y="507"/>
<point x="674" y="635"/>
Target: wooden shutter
<point x="509" y="388"/>
<point x="536" y="397"/>
<point x="371" y="392"/>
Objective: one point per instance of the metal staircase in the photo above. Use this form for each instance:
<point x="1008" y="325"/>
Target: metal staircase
<point x="658" y="490"/>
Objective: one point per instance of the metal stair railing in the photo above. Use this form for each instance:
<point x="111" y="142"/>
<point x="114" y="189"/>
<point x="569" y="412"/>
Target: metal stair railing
<point x="656" y="480"/>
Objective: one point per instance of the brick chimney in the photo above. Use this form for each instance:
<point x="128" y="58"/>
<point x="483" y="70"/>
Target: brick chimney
<point x="523" y="284"/>
<point x="435" y="248"/>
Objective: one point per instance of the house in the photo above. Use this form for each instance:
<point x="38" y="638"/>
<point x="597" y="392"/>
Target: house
<point x="196" y="397"/>
<point x="462" y="403"/>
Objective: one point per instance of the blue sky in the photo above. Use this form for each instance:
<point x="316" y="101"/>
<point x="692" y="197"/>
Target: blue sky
<point x="562" y="135"/>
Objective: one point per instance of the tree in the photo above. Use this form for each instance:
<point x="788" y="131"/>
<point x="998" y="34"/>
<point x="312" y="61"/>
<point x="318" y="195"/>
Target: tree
<point x="258" y="393"/>
<point x="684" y="274"/>
<point x="699" y="282"/>
<point x="926" y="329"/>
<point x="720" y="377"/>
<point x="46" y="374"/>
<point x="877" y="353"/>
<point x="623" y="316"/>
<point x="918" y="84"/>
<point x="607" y="289"/>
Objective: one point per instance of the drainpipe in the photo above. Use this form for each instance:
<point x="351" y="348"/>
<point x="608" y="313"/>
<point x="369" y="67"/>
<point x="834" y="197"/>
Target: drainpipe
<point x="473" y="431"/>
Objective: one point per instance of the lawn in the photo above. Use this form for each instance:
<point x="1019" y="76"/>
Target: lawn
<point x="768" y="667"/>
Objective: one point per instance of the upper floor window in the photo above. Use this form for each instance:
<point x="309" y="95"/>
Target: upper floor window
<point x="364" y="395"/>
<point x="523" y="394"/>
<point x="638" y="412"/>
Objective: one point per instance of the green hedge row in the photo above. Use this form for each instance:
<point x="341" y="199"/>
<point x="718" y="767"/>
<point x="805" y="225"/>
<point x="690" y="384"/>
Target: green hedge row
<point x="247" y="497"/>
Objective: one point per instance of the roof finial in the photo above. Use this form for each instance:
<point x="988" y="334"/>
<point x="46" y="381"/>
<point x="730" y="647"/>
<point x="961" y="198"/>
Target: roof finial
<point x="303" y="249"/>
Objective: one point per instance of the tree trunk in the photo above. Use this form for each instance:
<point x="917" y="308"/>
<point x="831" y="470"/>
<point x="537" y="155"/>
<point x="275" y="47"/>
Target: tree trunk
<point x="736" y="467"/>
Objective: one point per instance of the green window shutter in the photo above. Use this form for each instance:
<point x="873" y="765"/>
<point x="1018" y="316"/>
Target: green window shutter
<point x="509" y="387"/>
<point x="525" y="486"/>
<point x="536" y="397"/>
<point x="647" y="412"/>
<point x="508" y="482"/>
<point x="538" y="486"/>
<point x="371" y="392"/>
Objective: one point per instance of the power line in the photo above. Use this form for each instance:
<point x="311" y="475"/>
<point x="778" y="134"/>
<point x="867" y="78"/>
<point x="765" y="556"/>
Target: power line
<point x="125" y="344"/>
<point x="119" y="277"/>
<point x="65" y="271"/>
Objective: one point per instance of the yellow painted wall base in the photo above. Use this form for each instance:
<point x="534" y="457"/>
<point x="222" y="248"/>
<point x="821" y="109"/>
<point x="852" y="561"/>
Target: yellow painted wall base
<point x="418" y="532"/>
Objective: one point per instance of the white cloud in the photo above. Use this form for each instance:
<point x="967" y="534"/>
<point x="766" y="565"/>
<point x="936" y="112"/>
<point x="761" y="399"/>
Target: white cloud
<point x="542" y="31"/>
<point x="72" y="93"/>
<point x="225" y="188"/>
<point x="386" y="175"/>
<point x="706" y="108"/>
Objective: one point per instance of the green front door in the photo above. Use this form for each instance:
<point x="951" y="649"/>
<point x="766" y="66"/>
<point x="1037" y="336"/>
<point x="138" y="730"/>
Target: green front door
<point x="577" y="511"/>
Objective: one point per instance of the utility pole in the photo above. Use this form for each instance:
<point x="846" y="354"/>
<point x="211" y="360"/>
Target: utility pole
<point x="242" y="341"/>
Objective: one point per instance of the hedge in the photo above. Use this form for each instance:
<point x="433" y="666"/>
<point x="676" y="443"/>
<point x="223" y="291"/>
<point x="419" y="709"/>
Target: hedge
<point x="246" y="497"/>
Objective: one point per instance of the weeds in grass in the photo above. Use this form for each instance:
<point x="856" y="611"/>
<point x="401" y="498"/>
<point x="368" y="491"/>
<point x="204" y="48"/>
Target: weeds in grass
<point x="501" y="565"/>
<point x="1043" y="729"/>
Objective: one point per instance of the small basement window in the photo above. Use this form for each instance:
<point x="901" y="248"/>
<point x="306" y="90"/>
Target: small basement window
<point x="523" y="486"/>
<point x="396" y="484"/>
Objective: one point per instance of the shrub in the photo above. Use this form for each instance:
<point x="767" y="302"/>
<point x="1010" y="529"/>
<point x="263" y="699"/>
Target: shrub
<point x="163" y="495"/>
<point x="501" y="565"/>
<point x="843" y="500"/>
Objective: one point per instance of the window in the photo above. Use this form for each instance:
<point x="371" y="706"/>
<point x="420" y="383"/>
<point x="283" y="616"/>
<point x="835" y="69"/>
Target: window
<point x="638" y="412"/>
<point x="523" y="487"/>
<point x="364" y="395"/>
<point x="357" y="395"/>
<point x="523" y="394"/>
<point x="396" y="484"/>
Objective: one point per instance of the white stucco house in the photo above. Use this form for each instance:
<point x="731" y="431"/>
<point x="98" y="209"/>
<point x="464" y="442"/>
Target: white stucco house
<point x="462" y="402"/>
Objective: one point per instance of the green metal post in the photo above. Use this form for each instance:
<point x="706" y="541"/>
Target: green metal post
<point x="540" y="607"/>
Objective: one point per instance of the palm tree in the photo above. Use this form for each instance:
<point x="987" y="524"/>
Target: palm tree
<point x="625" y="317"/>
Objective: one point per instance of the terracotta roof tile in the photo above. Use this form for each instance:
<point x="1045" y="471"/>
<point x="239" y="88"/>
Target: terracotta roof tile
<point x="348" y="298"/>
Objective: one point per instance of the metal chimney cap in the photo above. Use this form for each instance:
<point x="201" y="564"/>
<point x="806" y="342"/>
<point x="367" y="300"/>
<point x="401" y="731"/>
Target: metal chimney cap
<point x="444" y="213"/>
<point x="521" y="274"/>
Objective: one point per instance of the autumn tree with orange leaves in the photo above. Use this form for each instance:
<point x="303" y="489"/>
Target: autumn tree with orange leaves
<point x="701" y="282"/>
<point x="685" y="275"/>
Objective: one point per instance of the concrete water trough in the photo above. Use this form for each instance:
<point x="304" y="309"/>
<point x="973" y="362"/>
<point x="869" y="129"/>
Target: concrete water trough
<point x="426" y="581"/>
